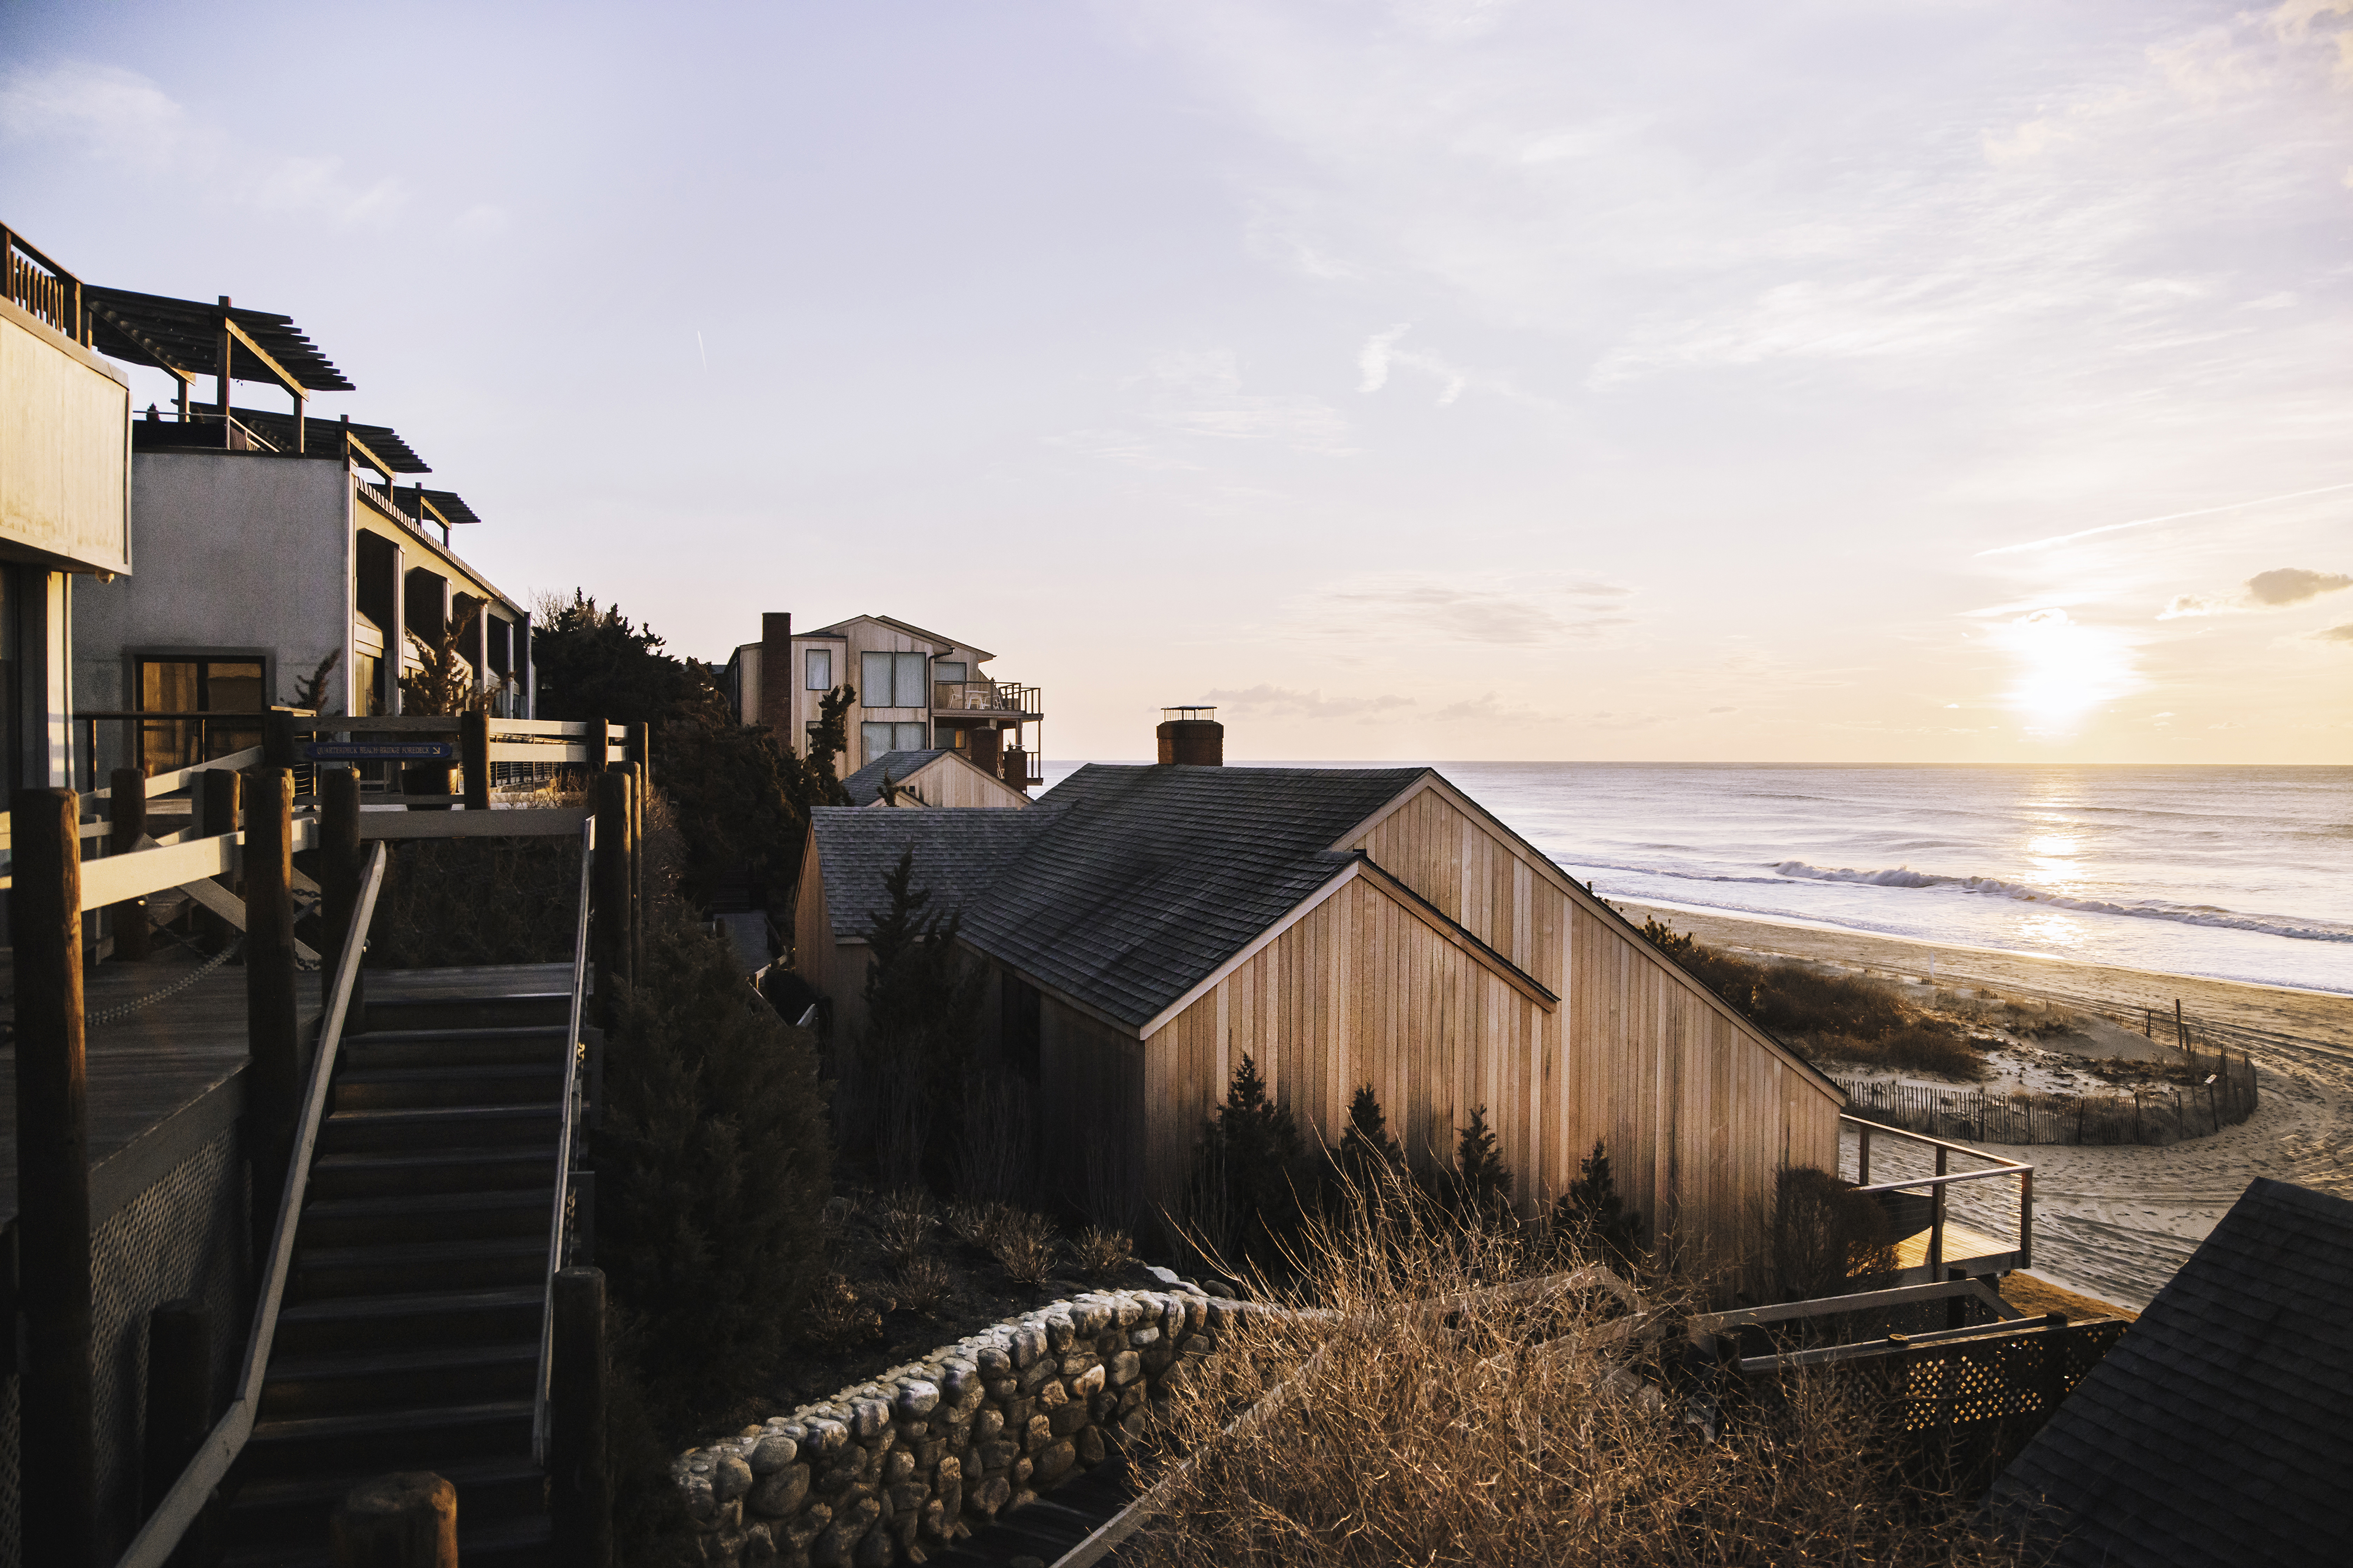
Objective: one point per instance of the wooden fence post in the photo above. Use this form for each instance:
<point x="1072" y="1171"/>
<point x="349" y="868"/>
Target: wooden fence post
<point x="611" y="884"/>
<point x="1937" y="1227"/>
<point x="339" y="879"/>
<point x="278" y="749"/>
<point x="638" y="785"/>
<point x="218" y="797"/>
<point x="580" y="1486"/>
<point x="58" y="1461"/>
<point x="179" y="1394"/>
<point x="274" y="1083"/>
<point x="474" y="753"/>
<point x="600" y="747"/>
<point x="406" y="1519"/>
<point x="127" y="810"/>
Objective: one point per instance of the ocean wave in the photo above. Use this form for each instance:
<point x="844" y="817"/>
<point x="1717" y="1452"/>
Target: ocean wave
<point x="1993" y="887"/>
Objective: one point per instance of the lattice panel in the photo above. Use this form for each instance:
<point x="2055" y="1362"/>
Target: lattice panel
<point x="2024" y="1375"/>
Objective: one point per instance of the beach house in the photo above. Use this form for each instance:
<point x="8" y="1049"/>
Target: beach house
<point x="283" y="561"/>
<point x="1145" y="928"/>
<point x="915" y="691"/>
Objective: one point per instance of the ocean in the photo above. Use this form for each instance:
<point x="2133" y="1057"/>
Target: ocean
<point x="2234" y="873"/>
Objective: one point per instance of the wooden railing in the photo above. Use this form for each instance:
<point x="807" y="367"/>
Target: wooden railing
<point x="1988" y="1204"/>
<point x="983" y="697"/>
<point x="569" y="1118"/>
<point x="42" y="289"/>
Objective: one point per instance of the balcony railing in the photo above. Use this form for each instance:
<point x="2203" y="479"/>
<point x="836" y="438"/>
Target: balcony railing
<point x="42" y="289"/>
<point x="985" y="697"/>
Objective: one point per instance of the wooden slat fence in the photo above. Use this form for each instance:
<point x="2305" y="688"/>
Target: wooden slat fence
<point x="2160" y="1115"/>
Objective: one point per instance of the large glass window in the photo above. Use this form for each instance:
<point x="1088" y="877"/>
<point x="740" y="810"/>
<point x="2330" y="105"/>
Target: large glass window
<point x="874" y="679"/>
<point x="197" y="686"/>
<point x="877" y="741"/>
<point x="818" y="669"/>
<point x="895" y="681"/>
<point x="914" y="679"/>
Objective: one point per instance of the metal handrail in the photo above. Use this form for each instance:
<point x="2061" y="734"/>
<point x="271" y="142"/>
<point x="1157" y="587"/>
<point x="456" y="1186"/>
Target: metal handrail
<point x="572" y="1048"/>
<point x="160" y="1536"/>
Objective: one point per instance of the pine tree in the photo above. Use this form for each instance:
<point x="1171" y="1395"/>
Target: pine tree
<point x="922" y="1021"/>
<point x="1591" y="1216"/>
<point x="1255" y="1147"/>
<point x="1483" y="1184"/>
<point x="1370" y="1160"/>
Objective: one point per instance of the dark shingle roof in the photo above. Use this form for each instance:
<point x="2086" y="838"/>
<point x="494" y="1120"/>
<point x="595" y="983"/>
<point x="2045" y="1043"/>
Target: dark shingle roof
<point x="2215" y="1432"/>
<point x="866" y="783"/>
<point x="958" y="853"/>
<point x="1146" y="878"/>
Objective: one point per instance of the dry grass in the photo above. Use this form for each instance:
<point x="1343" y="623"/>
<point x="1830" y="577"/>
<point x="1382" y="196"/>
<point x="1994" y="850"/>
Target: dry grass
<point x="838" y="1317"/>
<point x="977" y="1226"/>
<point x="906" y="1225"/>
<point x="921" y="1285"/>
<point x="1443" y="1410"/>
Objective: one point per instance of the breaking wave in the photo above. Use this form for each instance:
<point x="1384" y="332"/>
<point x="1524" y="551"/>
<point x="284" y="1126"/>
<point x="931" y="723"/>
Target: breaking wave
<point x="1993" y="887"/>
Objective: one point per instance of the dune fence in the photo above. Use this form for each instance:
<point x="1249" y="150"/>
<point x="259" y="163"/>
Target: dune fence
<point x="2222" y="1094"/>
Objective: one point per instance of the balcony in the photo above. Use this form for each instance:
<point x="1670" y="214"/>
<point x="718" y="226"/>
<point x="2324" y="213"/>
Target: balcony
<point x="986" y="700"/>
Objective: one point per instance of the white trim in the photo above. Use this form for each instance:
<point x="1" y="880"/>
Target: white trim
<point x="1257" y="945"/>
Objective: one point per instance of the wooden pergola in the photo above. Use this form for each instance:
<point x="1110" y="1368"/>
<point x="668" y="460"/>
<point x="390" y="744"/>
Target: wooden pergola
<point x="187" y="338"/>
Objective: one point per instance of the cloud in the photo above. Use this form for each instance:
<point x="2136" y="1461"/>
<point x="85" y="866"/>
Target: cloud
<point x="2182" y="604"/>
<point x="1490" y="709"/>
<point x="1727" y="708"/>
<point x="2335" y="634"/>
<point x="120" y="117"/>
<point x="2294" y="586"/>
<point x="1373" y="359"/>
<point x="1454" y="612"/>
<point x="1281" y="701"/>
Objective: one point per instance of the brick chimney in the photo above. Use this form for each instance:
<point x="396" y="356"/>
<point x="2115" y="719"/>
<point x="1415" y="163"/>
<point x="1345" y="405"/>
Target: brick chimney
<point x="777" y="674"/>
<point x="1191" y="737"/>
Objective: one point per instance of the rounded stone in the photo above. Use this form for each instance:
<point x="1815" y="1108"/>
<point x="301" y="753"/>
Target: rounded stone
<point x="868" y="1417"/>
<point x="1124" y="1368"/>
<point x="1087" y="1381"/>
<point x="782" y="1492"/>
<point x="1067" y="1419"/>
<point x="731" y="1478"/>
<point x="993" y="1362"/>
<point x="917" y="1399"/>
<point x="989" y="1496"/>
<point x="828" y="1438"/>
<point x="986" y="1426"/>
<point x="1055" y="1458"/>
<point x="1089" y="1446"/>
<point x="897" y="1466"/>
<point x="1059" y="1332"/>
<point x="1052" y="1396"/>
<point x="1144" y="1336"/>
<point x="773" y="1453"/>
<point x="1029" y="1344"/>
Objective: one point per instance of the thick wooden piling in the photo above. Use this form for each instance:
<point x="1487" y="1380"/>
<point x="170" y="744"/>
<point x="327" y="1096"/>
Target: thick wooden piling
<point x="339" y="878"/>
<point x="56" y="1465"/>
<point x="579" y="1482"/>
<point x="274" y="1082"/>
<point x="610" y="884"/>
<point x="405" y="1520"/>
<point x="219" y="800"/>
<point x="474" y="755"/>
<point x="179" y="1394"/>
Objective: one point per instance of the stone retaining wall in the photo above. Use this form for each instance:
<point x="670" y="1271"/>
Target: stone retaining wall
<point x="929" y="1452"/>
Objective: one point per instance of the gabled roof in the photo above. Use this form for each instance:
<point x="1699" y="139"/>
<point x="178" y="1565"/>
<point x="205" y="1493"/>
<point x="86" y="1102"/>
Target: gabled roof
<point x="944" y="644"/>
<point x="1150" y="877"/>
<point x="958" y="856"/>
<point x="865" y="785"/>
<point x="2214" y="1433"/>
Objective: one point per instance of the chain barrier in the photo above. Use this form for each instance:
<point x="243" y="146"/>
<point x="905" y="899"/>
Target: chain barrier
<point x="124" y="1009"/>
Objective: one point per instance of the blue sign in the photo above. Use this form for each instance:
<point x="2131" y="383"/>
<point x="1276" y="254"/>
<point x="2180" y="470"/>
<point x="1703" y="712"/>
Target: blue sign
<point x="380" y="751"/>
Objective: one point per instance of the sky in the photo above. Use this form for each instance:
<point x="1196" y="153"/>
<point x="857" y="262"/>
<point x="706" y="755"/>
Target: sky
<point x="1943" y="381"/>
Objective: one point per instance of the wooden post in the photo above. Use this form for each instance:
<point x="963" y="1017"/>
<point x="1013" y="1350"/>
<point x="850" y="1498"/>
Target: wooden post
<point x="274" y="1083"/>
<point x="474" y="754"/>
<point x="611" y="884"/>
<point x="217" y="799"/>
<point x="1862" y="1158"/>
<point x="600" y="748"/>
<point x="579" y="1485"/>
<point x="2181" y="1030"/>
<point x="637" y="866"/>
<point x="2026" y="1218"/>
<point x="278" y="749"/>
<point x="127" y="811"/>
<point x="1936" y="1226"/>
<point x="339" y="878"/>
<point x="405" y="1520"/>
<point x="179" y="1393"/>
<point x="57" y="1462"/>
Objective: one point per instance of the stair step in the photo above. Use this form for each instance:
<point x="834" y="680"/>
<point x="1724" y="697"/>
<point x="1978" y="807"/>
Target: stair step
<point x="425" y="1318"/>
<point x="439" y="1217"/>
<point x="481" y="1085"/>
<point x="362" y="1131"/>
<point x="549" y="1007"/>
<point x="455" y="1048"/>
<point x="515" y="1542"/>
<point x="322" y="1271"/>
<point x="375" y="1441"/>
<point x="450" y="1169"/>
<point x="293" y="1510"/>
<point x="350" y="1381"/>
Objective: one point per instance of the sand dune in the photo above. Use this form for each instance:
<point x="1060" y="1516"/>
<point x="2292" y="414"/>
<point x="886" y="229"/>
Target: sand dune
<point x="2116" y="1222"/>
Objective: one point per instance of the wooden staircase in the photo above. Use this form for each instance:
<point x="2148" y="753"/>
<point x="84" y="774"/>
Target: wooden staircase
<point x="409" y="1339"/>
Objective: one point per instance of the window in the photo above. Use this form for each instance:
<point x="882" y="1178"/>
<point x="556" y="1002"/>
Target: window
<point x="818" y="669"/>
<point x="895" y="681"/>
<point x="879" y="740"/>
<point x="948" y="670"/>
<point x="197" y="686"/>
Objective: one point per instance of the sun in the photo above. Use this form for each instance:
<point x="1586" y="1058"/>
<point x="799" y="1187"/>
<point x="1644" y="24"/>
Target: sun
<point x="2064" y="670"/>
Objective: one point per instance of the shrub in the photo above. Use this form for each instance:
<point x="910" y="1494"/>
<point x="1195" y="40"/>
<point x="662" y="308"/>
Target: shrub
<point x="1482" y="1185"/>
<point x="1250" y="1172"/>
<point x="476" y="900"/>
<point x="995" y="1147"/>
<point x="1103" y="1253"/>
<point x="921" y="1284"/>
<point x="907" y="1225"/>
<point x="1826" y="1234"/>
<point x="1368" y="1157"/>
<point x="922" y="1009"/>
<point x="1023" y="1246"/>
<point x="1592" y="1220"/>
<point x="978" y="1225"/>
<point x="711" y="1172"/>
<point x="838" y="1317"/>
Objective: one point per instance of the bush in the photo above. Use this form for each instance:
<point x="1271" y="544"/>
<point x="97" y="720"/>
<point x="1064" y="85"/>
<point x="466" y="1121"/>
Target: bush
<point x="1482" y="1183"/>
<point x="1591" y="1220"/>
<point x="1023" y="1246"/>
<point x="923" y="1020"/>
<point x="1103" y="1253"/>
<point x="1827" y="1236"/>
<point x="476" y="900"/>
<point x="713" y="1170"/>
<point x="1249" y="1176"/>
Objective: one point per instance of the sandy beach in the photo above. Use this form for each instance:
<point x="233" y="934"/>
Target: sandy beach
<point x="2116" y="1221"/>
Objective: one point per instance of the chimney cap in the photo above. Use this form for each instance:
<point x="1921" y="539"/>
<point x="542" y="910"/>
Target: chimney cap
<point x="1188" y="715"/>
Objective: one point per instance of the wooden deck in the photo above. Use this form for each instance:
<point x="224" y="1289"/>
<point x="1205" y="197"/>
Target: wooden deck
<point x="170" y="1076"/>
<point x="1973" y="1252"/>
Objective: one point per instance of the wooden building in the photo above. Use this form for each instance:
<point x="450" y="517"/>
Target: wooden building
<point x="1146" y="928"/>
<point x="914" y="690"/>
<point x="930" y="778"/>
